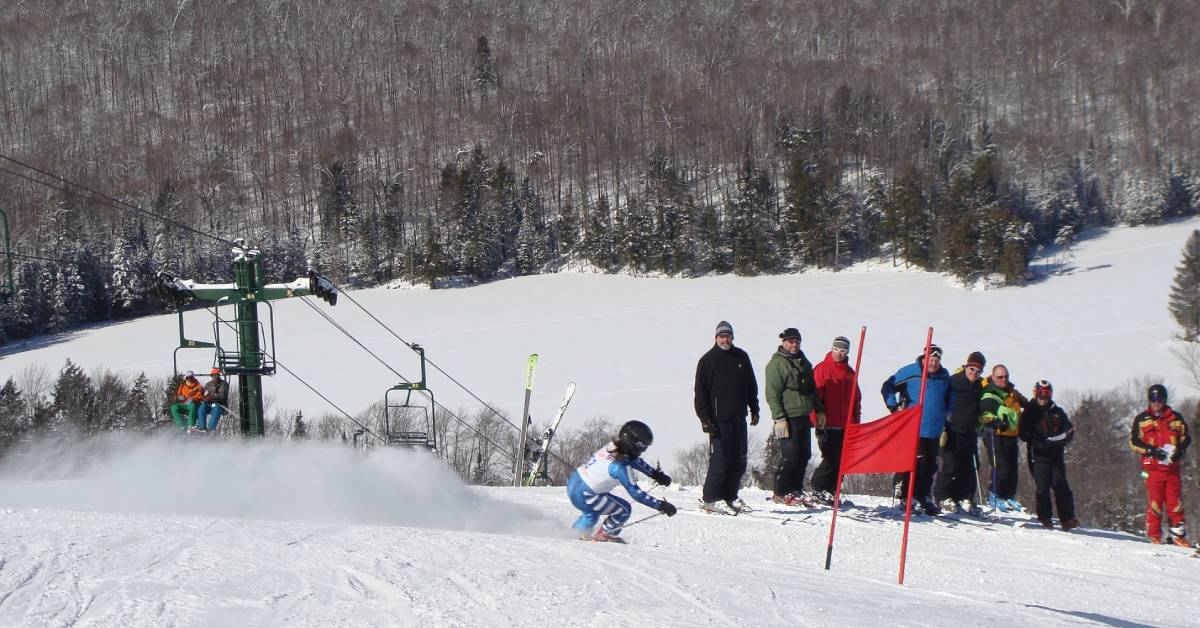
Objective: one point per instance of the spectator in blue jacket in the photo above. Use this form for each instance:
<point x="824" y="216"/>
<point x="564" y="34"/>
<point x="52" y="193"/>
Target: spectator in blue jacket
<point x="904" y="389"/>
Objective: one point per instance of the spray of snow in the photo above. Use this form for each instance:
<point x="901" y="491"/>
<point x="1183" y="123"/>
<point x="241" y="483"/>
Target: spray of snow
<point x="316" y="482"/>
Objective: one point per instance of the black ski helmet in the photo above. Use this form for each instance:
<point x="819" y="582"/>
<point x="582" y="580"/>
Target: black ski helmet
<point x="1043" y="388"/>
<point x="1157" y="392"/>
<point x="634" y="438"/>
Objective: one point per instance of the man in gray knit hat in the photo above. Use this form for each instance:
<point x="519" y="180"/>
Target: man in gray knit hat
<point x="725" y="389"/>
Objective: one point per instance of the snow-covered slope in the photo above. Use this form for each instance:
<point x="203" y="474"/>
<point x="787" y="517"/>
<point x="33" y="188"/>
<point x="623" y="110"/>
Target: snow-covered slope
<point x="185" y="532"/>
<point x="1099" y="318"/>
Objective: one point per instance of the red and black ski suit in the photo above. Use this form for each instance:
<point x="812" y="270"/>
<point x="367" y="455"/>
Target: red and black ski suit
<point x="1162" y="476"/>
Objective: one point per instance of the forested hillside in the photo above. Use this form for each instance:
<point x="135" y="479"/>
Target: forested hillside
<point x="467" y="141"/>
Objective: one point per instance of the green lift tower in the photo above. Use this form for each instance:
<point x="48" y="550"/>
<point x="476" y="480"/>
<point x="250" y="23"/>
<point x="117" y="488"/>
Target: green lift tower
<point x="247" y="356"/>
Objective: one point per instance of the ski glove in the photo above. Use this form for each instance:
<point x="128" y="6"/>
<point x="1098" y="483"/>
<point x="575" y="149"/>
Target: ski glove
<point x="667" y="508"/>
<point x="1175" y="455"/>
<point x="1157" y="453"/>
<point x="660" y="477"/>
<point x="1057" y="439"/>
<point x="753" y="419"/>
<point x="821" y="419"/>
<point x="708" y="426"/>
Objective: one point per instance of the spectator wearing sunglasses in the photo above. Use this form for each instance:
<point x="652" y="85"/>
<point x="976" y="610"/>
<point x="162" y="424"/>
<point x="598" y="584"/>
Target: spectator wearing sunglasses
<point x="835" y="386"/>
<point x="1001" y="411"/>
<point x="960" y="451"/>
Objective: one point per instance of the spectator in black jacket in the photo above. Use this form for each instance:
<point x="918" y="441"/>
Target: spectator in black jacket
<point x="1048" y="431"/>
<point x="956" y="480"/>
<point x="725" y="390"/>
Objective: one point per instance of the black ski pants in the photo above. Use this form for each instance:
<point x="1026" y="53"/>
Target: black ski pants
<point x="794" y="453"/>
<point x="1051" y="475"/>
<point x="824" y="478"/>
<point x="927" y="466"/>
<point x="726" y="461"/>
<point x="959" y="456"/>
<point x="1005" y="465"/>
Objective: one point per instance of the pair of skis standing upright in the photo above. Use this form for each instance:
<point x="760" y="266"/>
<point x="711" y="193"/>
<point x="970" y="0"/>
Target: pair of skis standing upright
<point x="543" y="447"/>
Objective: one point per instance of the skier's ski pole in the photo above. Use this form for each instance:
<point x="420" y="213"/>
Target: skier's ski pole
<point x="631" y="523"/>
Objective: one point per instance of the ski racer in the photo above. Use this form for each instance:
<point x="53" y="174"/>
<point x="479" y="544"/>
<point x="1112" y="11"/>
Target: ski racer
<point x="591" y="484"/>
<point x="1161" y="436"/>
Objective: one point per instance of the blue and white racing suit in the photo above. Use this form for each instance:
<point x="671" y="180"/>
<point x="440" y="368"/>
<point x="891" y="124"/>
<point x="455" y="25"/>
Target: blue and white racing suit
<point x="590" y="489"/>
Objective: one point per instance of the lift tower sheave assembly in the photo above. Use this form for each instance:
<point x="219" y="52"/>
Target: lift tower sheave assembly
<point x="252" y="354"/>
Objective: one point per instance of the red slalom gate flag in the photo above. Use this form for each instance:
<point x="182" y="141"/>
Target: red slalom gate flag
<point x="883" y="446"/>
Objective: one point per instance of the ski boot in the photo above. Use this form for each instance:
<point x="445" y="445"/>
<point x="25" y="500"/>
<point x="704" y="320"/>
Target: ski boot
<point x="930" y="507"/>
<point x="1070" y="524"/>
<point x="1180" y="541"/>
<point x="603" y="537"/>
<point x="737" y="505"/>
<point x="716" y="507"/>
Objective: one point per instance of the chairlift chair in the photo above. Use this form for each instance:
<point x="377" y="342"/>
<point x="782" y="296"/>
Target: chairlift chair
<point x="416" y="433"/>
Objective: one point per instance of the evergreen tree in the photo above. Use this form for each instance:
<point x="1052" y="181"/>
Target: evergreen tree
<point x="299" y="427"/>
<point x="392" y="229"/>
<point x="753" y="232"/>
<point x="67" y="299"/>
<point x="432" y="257"/>
<point x="73" y="405"/>
<point x="367" y="267"/>
<point x="1185" y="292"/>
<point x="133" y="271"/>
<point x="566" y="241"/>
<point x="1142" y="201"/>
<point x="803" y="194"/>
<point x="531" y="245"/>
<point x="137" y="409"/>
<point x="909" y="210"/>
<point x="598" y="242"/>
<point x="12" y="410"/>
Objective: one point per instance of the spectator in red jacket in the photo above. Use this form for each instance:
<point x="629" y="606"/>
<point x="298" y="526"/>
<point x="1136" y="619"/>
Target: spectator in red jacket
<point x="1161" y="436"/>
<point x="835" y="386"/>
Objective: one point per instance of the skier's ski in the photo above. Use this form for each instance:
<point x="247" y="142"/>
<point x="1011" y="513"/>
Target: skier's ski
<point x="539" y="458"/>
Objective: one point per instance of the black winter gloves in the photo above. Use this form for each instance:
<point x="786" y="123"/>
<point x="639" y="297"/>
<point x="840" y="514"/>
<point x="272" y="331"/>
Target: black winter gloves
<point x="667" y="508"/>
<point x="660" y="477"/>
<point x="708" y="426"/>
<point x="1158" y="453"/>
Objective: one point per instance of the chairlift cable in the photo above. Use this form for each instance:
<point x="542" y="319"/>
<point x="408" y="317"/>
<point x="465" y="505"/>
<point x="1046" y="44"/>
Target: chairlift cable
<point x="65" y="185"/>
<point x="437" y="405"/>
<point x="439" y="369"/>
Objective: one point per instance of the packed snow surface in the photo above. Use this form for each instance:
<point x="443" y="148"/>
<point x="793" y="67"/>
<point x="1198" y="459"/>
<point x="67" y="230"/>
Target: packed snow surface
<point x="189" y="532"/>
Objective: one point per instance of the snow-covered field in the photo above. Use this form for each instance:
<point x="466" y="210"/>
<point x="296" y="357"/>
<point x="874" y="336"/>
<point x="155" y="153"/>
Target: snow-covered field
<point x="182" y="532"/>
<point x="165" y="532"/>
<point x="631" y="344"/>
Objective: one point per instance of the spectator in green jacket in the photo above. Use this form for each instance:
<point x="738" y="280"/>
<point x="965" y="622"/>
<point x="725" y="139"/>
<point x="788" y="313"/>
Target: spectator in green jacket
<point x="792" y="397"/>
